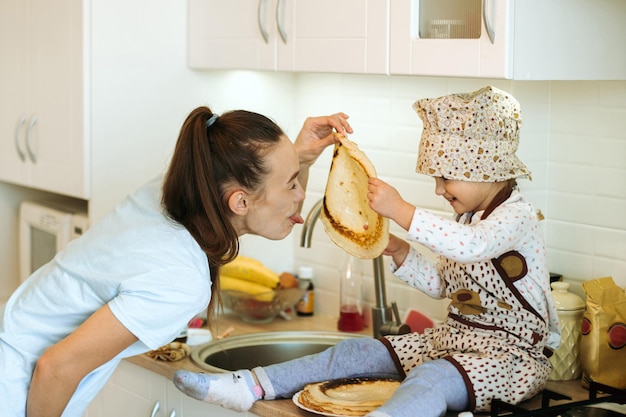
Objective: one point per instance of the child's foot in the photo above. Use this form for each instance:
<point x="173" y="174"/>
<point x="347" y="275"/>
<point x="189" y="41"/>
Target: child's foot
<point x="235" y="390"/>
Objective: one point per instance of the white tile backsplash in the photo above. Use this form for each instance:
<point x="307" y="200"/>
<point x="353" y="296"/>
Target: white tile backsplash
<point x="572" y="139"/>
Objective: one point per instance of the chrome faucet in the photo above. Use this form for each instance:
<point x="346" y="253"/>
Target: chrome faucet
<point x="383" y="322"/>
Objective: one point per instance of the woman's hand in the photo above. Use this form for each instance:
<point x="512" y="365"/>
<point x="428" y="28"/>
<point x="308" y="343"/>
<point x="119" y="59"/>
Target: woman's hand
<point x="386" y="201"/>
<point x="317" y="133"/>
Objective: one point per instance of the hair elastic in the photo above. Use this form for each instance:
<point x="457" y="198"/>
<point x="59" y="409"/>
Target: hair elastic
<point x="212" y="120"/>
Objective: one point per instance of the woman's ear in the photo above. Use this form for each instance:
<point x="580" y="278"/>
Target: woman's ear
<point x="238" y="202"/>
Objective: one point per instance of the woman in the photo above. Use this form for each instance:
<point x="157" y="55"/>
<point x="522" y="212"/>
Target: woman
<point x="136" y="278"/>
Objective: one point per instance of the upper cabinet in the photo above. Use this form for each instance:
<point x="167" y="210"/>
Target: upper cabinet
<point x="349" y="36"/>
<point x="513" y="39"/>
<point x="238" y="34"/>
<point x="41" y="95"/>
<point x="510" y="39"/>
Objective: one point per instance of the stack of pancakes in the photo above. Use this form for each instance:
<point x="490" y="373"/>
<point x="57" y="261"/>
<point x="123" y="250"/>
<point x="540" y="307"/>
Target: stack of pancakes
<point x="348" y="396"/>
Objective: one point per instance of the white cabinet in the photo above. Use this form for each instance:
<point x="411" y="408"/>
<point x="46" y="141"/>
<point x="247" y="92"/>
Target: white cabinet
<point x="138" y="392"/>
<point x="412" y="53"/>
<point x="516" y="39"/>
<point x="131" y="391"/>
<point x="238" y="34"/>
<point x="42" y="143"/>
<point x="519" y="39"/>
<point x="289" y="35"/>
<point x="101" y="84"/>
<point x="348" y="36"/>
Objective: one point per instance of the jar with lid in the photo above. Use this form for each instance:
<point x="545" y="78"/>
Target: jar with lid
<point x="351" y="317"/>
<point x="306" y="305"/>
<point x="570" y="308"/>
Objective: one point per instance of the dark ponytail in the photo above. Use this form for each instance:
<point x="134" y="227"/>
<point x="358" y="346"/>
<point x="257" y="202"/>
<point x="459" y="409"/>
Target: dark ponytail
<point x="206" y="160"/>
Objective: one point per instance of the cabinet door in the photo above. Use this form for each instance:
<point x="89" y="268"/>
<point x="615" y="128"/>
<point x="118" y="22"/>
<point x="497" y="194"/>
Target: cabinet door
<point x="14" y="89"/>
<point x="41" y="86"/>
<point x="56" y="134"/>
<point x="569" y="40"/>
<point x="131" y="391"/>
<point x="233" y="34"/>
<point x="348" y="36"/>
<point x="487" y="55"/>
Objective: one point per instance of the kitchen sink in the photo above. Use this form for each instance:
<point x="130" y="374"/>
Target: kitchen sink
<point x="262" y="349"/>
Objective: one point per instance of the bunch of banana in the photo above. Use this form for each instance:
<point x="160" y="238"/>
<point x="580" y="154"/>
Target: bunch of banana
<point x="250" y="276"/>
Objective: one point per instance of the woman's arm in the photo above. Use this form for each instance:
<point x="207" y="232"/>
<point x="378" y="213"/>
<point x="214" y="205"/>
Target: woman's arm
<point x="62" y="366"/>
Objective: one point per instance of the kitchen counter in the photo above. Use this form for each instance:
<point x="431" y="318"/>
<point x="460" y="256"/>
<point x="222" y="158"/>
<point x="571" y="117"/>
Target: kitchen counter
<point x="286" y="408"/>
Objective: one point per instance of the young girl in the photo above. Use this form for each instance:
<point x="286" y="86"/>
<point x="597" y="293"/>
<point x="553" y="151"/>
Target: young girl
<point x="491" y="265"/>
<point x="136" y="278"/>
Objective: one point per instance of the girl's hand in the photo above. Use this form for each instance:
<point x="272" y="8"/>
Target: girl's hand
<point x="397" y="248"/>
<point x="317" y="133"/>
<point x="386" y="201"/>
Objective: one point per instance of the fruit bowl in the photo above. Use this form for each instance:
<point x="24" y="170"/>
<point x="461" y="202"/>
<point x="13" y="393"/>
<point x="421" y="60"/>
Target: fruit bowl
<point x="262" y="307"/>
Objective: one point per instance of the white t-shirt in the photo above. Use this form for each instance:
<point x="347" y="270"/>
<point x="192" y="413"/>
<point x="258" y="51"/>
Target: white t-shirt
<point x="146" y="267"/>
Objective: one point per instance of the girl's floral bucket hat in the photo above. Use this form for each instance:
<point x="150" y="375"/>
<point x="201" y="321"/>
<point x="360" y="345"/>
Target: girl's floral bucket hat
<point x="471" y="136"/>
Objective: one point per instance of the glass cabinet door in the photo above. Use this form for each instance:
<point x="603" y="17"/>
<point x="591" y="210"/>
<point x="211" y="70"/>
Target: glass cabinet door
<point x="450" y="19"/>
<point x="459" y="38"/>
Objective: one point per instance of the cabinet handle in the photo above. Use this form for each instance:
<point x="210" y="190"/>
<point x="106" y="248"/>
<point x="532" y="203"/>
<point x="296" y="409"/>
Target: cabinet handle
<point x="33" y="122"/>
<point x="488" y="27"/>
<point x="18" y="127"/>
<point x="173" y="413"/>
<point x="155" y="409"/>
<point x="260" y="14"/>
<point x="282" y="32"/>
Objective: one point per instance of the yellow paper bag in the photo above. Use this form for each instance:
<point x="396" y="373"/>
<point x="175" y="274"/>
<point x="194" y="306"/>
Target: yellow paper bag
<point x="603" y="340"/>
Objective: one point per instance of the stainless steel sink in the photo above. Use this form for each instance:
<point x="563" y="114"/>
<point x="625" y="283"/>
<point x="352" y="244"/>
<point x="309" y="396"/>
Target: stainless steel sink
<point x="262" y="349"/>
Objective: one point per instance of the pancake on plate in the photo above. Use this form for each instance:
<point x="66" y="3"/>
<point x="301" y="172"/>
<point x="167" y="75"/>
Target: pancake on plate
<point x="346" y="215"/>
<point x="347" y="396"/>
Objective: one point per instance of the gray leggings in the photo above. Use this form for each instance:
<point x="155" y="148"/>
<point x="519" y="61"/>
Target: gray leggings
<point x="428" y="390"/>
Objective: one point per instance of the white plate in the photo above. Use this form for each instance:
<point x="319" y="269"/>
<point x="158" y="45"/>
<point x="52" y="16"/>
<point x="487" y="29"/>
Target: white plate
<point x="297" y="403"/>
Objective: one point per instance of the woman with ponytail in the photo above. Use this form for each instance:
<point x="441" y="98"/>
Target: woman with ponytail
<point x="135" y="279"/>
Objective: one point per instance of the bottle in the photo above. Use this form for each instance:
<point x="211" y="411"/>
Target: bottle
<point x="306" y="305"/>
<point x="565" y="361"/>
<point x="350" y="296"/>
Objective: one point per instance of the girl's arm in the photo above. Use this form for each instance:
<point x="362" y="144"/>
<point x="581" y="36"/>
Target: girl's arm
<point x="501" y="232"/>
<point x="414" y="268"/>
<point x="62" y="366"/>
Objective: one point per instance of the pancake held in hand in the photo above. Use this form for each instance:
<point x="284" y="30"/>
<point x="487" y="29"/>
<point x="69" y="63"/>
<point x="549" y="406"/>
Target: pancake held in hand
<point x="346" y="215"/>
<point x="348" y="396"/>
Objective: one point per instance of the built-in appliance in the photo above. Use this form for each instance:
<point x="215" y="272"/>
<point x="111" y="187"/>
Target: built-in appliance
<point x="45" y="230"/>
